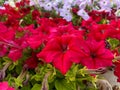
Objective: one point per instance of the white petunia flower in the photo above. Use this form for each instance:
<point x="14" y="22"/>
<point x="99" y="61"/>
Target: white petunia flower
<point x="83" y="14"/>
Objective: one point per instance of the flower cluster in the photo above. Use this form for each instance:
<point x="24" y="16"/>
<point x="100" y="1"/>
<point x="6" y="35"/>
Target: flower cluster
<point x="35" y="40"/>
<point x="64" y="7"/>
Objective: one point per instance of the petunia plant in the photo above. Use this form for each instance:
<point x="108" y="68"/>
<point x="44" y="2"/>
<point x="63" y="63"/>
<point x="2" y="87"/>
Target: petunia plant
<point x="58" y="44"/>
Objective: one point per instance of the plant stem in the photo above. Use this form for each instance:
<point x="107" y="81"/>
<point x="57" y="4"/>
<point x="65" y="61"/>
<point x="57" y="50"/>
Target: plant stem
<point x="103" y="84"/>
<point x="78" y="88"/>
<point x="96" y="71"/>
<point x="45" y="82"/>
<point x="2" y="72"/>
<point x="6" y="66"/>
<point x="22" y="74"/>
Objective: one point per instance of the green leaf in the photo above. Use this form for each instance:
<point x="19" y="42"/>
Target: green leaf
<point x="11" y="67"/>
<point x="82" y="71"/>
<point x="64" y="85"/>
<point x="52" y="77"/>
<point x="11" y="80"/>
<point x="2" y="2"/>
<point x="25" y="88"/>
<point x="6" y="58"/>
<point x="36" y="87"/>
<point x="37" y="77"/>
<point x="113" y="42"/>
<point x="71" y="74"/>
<point x="18" y="69"/>
<point x="103" y="21"/>
<point x="18" y="82"/>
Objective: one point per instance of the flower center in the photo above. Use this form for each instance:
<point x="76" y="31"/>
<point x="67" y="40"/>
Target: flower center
<point x="64" y="33"/>
<point x="93" y="55"/>
<point x="64" y="48"/>
<point x="45" y="32"/>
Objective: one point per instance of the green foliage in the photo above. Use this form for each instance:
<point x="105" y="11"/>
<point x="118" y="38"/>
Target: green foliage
<point x="75" y="78"/>
<point x="26" y="88"/>
<point x="18" y="68"/>
<point x="5" y="58"/>
<point x="62" y="84"/>
<point x="27" y="20"/>
<point x="70" y="75"/>
<point x="103" y="21"/>
<point x="113" y="42"/>
<point x="56" y="81"/>
<point x="18" y="82"/>
<point x="2" y="2"/>
<point x="76" y="20"/>
<point x="36" y="87"/>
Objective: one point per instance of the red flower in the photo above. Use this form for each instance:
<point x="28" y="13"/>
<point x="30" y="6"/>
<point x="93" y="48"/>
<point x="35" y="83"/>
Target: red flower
<point x="22" y="3"/>
<point x="14" y="15"/>
<point x="64" y="30"/>
<point x="59" y="52"/>
<point x="97" y="16"/>
<point x="60" y="21"/>
<point x="15" y="54"/>
<point x="39" y="36"/>
<point x="4" y="86"/>
<point x="93" y="54"/>
<point x="7" y="36"/>
<point x="75" y="10"/>
<point x="3" y="50"/>
<point x="114" y="32"/>
<point x="35" y="14"/>
<point x="16" y="48"/>
<point x="3" y="28"/>
<point x="5" y="33"/>
<point x="98" y="31"/>
<point x="32" y="61"/>
<point x="52" y="22"/>
<point x="35" y="41"/>
<point x="48" y="30"/>
<point x="86" y="24"/>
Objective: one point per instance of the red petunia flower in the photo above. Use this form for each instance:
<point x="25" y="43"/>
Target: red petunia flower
<point x="114" y="32"/>
<point x="35" y="14"/>
<point x="6" y="34"/>
<point x="35" y="41"/>
<point x="32" y="61"/>
<point x="41" y="34"/>
<point x="87" y="23"/>
<point x="60" y="21"/>
<point x="16" y="48"/>
<point x="3" y="50"/>
<point x="59" y="52"/>
<point x="97" y="16"/>
<point x="64" y="30"/>
<point x="93" y="54"/>
<point x="75" y="10"/>
<point x="15" y="54"/>
<point x="98" y="32"/>
<point x="3" y="28"/>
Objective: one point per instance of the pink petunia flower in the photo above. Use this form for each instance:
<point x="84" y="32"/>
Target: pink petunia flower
<point x="5" y="86"/>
